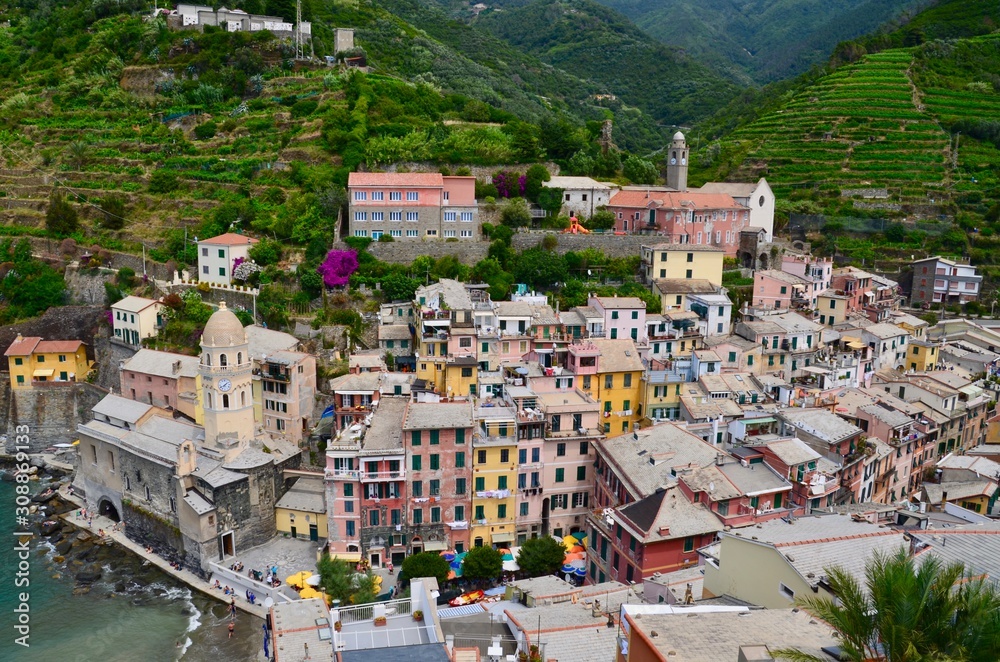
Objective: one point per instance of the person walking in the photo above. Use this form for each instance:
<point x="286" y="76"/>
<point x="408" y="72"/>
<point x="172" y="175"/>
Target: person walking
<point x="232" y="607"/>
<point x="232" y="626"/>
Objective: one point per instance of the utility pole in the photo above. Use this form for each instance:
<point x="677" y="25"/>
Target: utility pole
<point x="298" y="29"/>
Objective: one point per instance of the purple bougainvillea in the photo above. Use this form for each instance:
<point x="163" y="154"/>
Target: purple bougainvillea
<point x="337" y="268"/>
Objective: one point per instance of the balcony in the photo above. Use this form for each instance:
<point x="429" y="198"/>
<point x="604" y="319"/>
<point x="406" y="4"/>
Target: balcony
<point x="223" y="370"/>
<point x="343" y="474"/>
<point x="436" y="315"/>
<point x="274" y="375"/>
<point x="376" y="476"/>
<point x="579" y="433"/>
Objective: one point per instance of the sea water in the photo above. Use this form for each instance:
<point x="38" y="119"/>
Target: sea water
<point x="133" y="613"/>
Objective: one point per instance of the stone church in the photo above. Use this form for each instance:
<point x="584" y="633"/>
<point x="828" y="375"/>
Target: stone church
<point x="195" y="494"/>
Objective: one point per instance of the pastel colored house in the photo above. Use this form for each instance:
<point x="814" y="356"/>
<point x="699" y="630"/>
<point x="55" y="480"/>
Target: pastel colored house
<point x="781" y="290"/>
<point x="217" y="255"/>
<point x="689" y="217"/>
<point x="687" y="261"/>
<point x="757" y="197"/>
<point x="624" y="317"/>
<point x="301" y="512"/>
<point x="939" y="280"/>
<point x="136" y="318"/>
<point x="412" y="206"/>
<point x="163" y="379"/>
<point x="32" y="361"/>
<point x="582" y="196"/>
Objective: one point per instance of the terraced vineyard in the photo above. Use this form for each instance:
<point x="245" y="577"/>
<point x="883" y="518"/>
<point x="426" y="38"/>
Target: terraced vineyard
<point x="860" y="127"/>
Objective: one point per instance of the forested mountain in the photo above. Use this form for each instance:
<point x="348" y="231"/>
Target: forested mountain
<point x="588" y="40"/>
<point x="760" y="40"/>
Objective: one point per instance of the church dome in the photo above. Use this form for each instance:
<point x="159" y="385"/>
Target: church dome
<point x="679" y="136"/>
<point x="223" y="329"/>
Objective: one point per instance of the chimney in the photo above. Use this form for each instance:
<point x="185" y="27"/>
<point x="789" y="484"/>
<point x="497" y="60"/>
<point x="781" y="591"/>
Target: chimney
<point x="944" y="498"/>
<point x="176" y="367"/>
<point x="720" y="459"/>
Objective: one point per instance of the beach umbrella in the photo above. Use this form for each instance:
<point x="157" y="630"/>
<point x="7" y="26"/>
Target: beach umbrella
<point x="511" y="566"/>
<point x="508" y="556"/>
<point x="298" y="579"/>
<point x="579" y="563"/>
<point x="580" y="572"/>
<point x="570" y="541"/>
<point x="580" y="535"/>
<point x="573" y="557"/>
<point x="451" y="574"/>
<point x="314" y="581"/>
<point x="448" y="556"/>
<point x="503" y="551"/>
<point x="309" y="592"/>
<point x="568" y="569"/>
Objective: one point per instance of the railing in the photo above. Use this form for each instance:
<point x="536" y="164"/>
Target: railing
<point x="223" y="369"/>
<point x="366" y="612"/>
<point x="236" y="580"/>
<point x="383" y="475"/>
<point x="343" y="473"/>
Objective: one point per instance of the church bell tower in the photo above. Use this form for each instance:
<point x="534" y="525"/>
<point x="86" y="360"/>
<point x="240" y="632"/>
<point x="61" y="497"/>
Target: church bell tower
<point x="677" y="163"/>
<point x="226" y="380"/>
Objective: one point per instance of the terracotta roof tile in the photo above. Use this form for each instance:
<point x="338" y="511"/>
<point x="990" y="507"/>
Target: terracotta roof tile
<point x="229" y="239"/>
<point x="674" y="200"/>
<point x="53" y="346"/>
<point x="22" y="346"/>
<point x="400" y="179"/>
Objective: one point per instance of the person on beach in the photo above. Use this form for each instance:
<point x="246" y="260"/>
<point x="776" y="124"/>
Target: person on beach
<point x="232" y="607"/>
<point x="232" y="626"/>
<point x="217" y="584"/>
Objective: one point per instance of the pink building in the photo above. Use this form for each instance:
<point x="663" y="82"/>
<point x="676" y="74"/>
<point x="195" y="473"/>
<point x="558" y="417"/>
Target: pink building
<point x="817" y="270"/>
<point x="413" y="206"/>
<point x="683" y="217"/>
<point x="778" y="289"/>
<point x="854" y="284"/>
<point x="624" y="317"/>
<point x="162" y="379"/>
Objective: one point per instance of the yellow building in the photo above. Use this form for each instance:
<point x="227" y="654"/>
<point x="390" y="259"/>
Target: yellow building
<point x="832" y="308"/>
<point x="618" y="384"/>
<point x="978" y="496"/>
<point x="32" y="360"/>
<point x="673" y="292"/>
<point x="460" y="375"/>
<point x="494" y="477"/>
<point x="923" y="355"/>
<point x="687" y="261"/>
<point x="301" y="512"/>
<point x="661" y="397"/>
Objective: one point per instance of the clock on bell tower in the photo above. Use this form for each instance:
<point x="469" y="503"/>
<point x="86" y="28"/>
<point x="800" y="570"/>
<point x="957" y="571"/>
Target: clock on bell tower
<point x="226" y="379"/>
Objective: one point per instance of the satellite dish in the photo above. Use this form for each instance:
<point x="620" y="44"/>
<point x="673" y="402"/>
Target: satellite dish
<point x="268" y="603"/>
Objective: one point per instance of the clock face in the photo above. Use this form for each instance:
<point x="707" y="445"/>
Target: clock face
<point x="225" y="385"/>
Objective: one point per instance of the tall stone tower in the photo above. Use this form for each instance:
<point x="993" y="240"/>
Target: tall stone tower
<point x="677" y="163"/>
<point x="226" y="380"/>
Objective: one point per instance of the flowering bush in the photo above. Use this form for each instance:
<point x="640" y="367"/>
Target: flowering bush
<point x="244" y="269"/>
<point x="509" y="184"/>
<point x="337" y="268"/>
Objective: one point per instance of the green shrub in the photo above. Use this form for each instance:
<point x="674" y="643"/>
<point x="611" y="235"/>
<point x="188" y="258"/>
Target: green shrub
<point x="61" y="217"/>
<point x="304" y="108"/>
<point x="163" y="181"/>
<point x="206" y="130"/>
<point x="386" y="239"/>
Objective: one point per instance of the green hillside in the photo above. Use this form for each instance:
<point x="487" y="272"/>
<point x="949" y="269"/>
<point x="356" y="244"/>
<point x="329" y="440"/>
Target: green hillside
<point x="593" y="42"/>
<point x="760" y="40"/>
<point x="886" y="121"/>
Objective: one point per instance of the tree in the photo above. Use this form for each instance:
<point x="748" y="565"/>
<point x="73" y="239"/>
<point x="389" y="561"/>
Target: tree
<point x="265" y="252"/>
<point x="425" y="564"/>
<point x="534" y="179"/>
<point x="540" y="268"/>
<point x="61" y="218"/>
<point x="482" y="563"/>
<point x="541" y="556"/>
<point x="337" y="268"/>
<point x="515" y="214"/>
<point x="398" y="287"/>
<point x="113" y="211"/>
<point x="908" y="610"/>
<point x="639" y="170"/>
<point x="339" y="580"/>
<point x="601" y="220"/>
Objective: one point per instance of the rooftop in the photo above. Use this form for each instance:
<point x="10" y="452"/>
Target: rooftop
<point x="820" y="423"/>
<point x="668" y="515"/>
<point x="693" y="200"/>
<point x="306" y="495"/>
<point x="394" y="332"/>
<point x="617" y="355"/>
<point x="792" y="451"/>
<point x="685" y="286"/>
<point x="575" y="183"/>
<point x="386" y="431"/>
<point x="613" y="303"/>
<point x="692" y="634"/>
<point x="784" y="277"/>
<point x="302" y="631"/>
<point x="885" y="331"/>
<point x="229" y="239"/>
<point x="735" y="189"/>
<point x="132" y="304"/>
<point x="398" y="179"/>
<point x="936" y="492"/>
<point x="162" y="364"/>
<point x="122" y="409"/>
<point x="267" y="341"/>
<point x="438" y="415"/>
<point x="686" y="248"/>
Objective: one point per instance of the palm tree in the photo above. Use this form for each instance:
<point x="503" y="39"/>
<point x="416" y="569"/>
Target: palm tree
<point x="909" y="610"/>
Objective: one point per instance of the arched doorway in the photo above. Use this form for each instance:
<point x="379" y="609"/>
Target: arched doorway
<point x="107" y="509"/>
<point x="762" y="261"/>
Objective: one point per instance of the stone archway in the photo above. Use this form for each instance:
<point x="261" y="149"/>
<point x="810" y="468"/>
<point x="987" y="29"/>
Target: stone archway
<point x="746" y="259"/>
<point x="107" y="509"/>
<point x="762" y="261"/>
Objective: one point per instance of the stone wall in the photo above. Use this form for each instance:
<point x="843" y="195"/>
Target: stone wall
<point x="405" y="252"/>
<point x="611" y="245"/>
<point x="148" y="528"/>
<point x="51" y="412"/>
<point x="109" y="356"/>
<point x="116" y="260"/>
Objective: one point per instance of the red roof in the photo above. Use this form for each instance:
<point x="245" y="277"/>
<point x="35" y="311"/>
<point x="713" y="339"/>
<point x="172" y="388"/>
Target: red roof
<point x="35" y="345"/>
<point x="673" y="200"/>
<point x="396" y="179"/>
<point x="58" y="346"/>
<point x="230" y="239"/>
<point x="22" y="346"/>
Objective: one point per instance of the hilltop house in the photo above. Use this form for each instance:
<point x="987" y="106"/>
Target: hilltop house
<point x="412" y="206"/>
<point x="582" y="196"/>
<point x="939" y="280"/>
<point x="32" y="361"/>
<point x="135" y="319"/>
<point x="217" y="255"/>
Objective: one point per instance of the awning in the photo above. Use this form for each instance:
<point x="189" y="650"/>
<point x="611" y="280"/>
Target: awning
<point x="502" y="537"/>
<point x="814" y="370"/>
<point x="43" y="372"/>
<point x="855" y="344"/>
<point x="435" y="546"/>
<point x="353" y="557"/>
